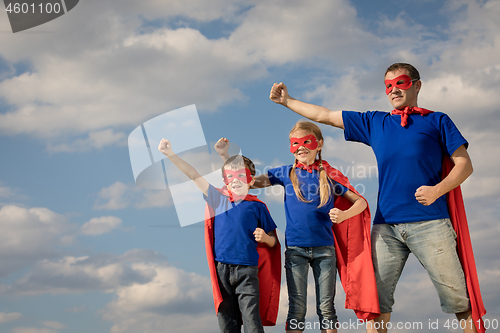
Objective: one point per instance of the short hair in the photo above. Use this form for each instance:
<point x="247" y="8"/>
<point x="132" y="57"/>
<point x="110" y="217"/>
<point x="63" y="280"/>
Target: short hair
<point x="414" y="74"/>
<point x="237" y="160"/>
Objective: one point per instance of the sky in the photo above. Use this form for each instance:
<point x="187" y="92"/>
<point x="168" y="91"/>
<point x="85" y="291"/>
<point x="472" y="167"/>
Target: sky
<point x="84" y="248"/>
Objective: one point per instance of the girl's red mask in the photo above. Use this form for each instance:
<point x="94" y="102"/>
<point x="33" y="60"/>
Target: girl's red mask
<point x="229" y="175"/>
<point x="295" y="143"/>
<point x="402" y="82"/>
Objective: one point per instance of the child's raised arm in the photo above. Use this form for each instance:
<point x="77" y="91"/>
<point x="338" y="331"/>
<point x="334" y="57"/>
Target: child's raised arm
<point x="166" y="148"/>
<point x="222" y="147"/>
<point x="358" y="206"/>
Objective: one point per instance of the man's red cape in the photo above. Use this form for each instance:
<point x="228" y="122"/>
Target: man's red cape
<point x="269" y="269"/>
<point x="354" y="254"/>
<point x="464" y="248"/>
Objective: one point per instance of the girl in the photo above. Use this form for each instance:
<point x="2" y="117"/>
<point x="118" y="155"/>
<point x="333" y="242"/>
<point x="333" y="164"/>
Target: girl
<point x="309" y="207"/>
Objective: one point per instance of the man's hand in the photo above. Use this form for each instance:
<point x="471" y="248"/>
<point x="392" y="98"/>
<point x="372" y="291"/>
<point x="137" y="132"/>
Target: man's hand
<point x="337" y="215"/>
<point x="426" y="195"/>
<point x="279" y="93"/>
<point x="222" y="146"/>
<point x="165" y="147"/>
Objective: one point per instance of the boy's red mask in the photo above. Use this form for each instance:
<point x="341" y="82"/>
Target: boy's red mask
<point x="229" y="175"/>
<point x="295" y="143"/>
<point x="402" y="82"/>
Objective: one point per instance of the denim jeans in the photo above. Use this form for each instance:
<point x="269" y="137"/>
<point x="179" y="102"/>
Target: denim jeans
<point x="323" y="262"/>
<point x="434" y="244"/>
<point x="239" y="285"/>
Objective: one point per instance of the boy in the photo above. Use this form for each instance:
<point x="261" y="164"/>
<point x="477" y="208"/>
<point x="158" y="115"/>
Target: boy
<point x="239" y="222"/>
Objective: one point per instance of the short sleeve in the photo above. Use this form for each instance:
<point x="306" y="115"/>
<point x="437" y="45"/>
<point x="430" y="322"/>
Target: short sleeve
<point x="357" y="126"/>
<point x="339" y="190"/>
<point x="213" y="197"/>
<point x="265" y="219"/>
<point x="277" y="175"/>
<point x="451" y="137"/>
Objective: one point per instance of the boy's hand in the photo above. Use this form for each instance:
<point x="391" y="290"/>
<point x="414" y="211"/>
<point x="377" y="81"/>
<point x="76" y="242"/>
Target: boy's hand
<point x="260" y="235"/>
<point x="222" y="146"/>
<point x="165" y="147"/>
<point x="279" y="93"/>
<point x="337" y="215"/>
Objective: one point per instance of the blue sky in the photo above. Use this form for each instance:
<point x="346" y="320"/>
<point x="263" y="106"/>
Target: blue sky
<point x="83" y="248"/>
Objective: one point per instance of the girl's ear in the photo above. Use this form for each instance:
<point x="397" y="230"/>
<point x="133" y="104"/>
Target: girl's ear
<point x="320" y="144"/>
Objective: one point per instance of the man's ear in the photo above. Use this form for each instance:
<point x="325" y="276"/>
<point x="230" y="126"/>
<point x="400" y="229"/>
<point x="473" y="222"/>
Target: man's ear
<point x="418" y="85"/>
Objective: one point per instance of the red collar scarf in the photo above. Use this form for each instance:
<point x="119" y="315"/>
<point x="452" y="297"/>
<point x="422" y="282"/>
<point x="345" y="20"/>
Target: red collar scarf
<point x="409" y="110"/>
<point x="269" y="269"/>
<point x="309" y="168"/>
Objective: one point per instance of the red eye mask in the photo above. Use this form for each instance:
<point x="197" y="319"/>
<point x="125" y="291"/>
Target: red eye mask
<point x="229" y="175"/>
<point x="402" y="82"/>
<point x="295" y="143"/>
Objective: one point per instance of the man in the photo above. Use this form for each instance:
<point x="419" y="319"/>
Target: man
<point x="412" y="213"/>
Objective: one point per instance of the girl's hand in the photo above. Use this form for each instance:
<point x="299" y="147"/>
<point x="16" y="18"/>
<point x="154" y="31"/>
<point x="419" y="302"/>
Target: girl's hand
<point x="260" y="235"/>
<point x="165" y="147"/>
<point x="222" y="146"/>
<point x="337" y="215"/>
<point x="279" y="93"/>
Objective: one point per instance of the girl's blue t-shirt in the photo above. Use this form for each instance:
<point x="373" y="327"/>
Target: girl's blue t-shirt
<point x="306" y="224"/>
<point x="234" y="225"/>
<point x="407" y="158"/>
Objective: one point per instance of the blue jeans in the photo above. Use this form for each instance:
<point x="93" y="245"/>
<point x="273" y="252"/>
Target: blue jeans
<point x="434" y="244"/>
<point x="323" y="262"/>
<point x="239" y="285"/>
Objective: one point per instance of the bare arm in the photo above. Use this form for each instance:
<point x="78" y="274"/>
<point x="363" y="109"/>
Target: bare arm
<point x="261" y="181"/>
<point x="222" y="147"/>
<point x="279" y="95"/>
<point x="166" y="148"/>
<point x="462" y="169"/>
<point x="262" y="237"/>
<point x="358" y="206"/>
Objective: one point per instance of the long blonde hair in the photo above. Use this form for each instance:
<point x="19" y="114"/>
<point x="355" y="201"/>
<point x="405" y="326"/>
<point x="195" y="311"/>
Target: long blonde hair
<point x="325" y="185"/>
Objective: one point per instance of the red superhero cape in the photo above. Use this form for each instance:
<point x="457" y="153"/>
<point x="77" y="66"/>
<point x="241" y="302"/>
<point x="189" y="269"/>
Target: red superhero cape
<point x="354" y="256"/>
<point x="458" y="219"/>
<point x="269" y="269"/>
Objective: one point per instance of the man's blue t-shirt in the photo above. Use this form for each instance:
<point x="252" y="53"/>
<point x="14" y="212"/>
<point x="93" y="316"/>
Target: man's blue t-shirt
<point x="407" y="158"/>
<point x="306" y="224"/>
<point x="234" y="225"/>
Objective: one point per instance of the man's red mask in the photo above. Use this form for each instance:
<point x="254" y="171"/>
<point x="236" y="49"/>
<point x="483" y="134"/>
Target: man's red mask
<point x="402" y="82"/>
<point x="295" y="143"/>
<point x="229" y="175"/>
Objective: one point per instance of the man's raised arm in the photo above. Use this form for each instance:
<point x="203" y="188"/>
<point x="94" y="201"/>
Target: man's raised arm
<point x="320" y="114"/>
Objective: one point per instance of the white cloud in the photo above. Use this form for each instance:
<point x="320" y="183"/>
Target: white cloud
<point x="32" y="330"/>
<point x="120" y="196"/>
<point x="54" y="324"/>
<point x="71" y="274"/>
<point x="100" y="225"/>
<point x="28" y="235"/>
<point x="173" y="299"/>
<point x="12" y="316"/>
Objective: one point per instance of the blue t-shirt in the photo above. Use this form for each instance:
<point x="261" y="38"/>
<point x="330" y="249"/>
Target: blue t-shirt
<point x="407" y="158"/>
<point x="306" y="224"/>
<point x="234" y="225"/>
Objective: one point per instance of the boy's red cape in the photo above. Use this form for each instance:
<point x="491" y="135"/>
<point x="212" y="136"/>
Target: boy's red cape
<point x="269" y="269"/>
<point x="464" y="248"/>
<point x="354" y="254"/>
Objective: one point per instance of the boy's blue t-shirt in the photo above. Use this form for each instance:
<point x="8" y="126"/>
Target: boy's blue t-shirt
<point x="234" y="225"/>
<point x="407" y="158"/>
<point x="306" y="224"/>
